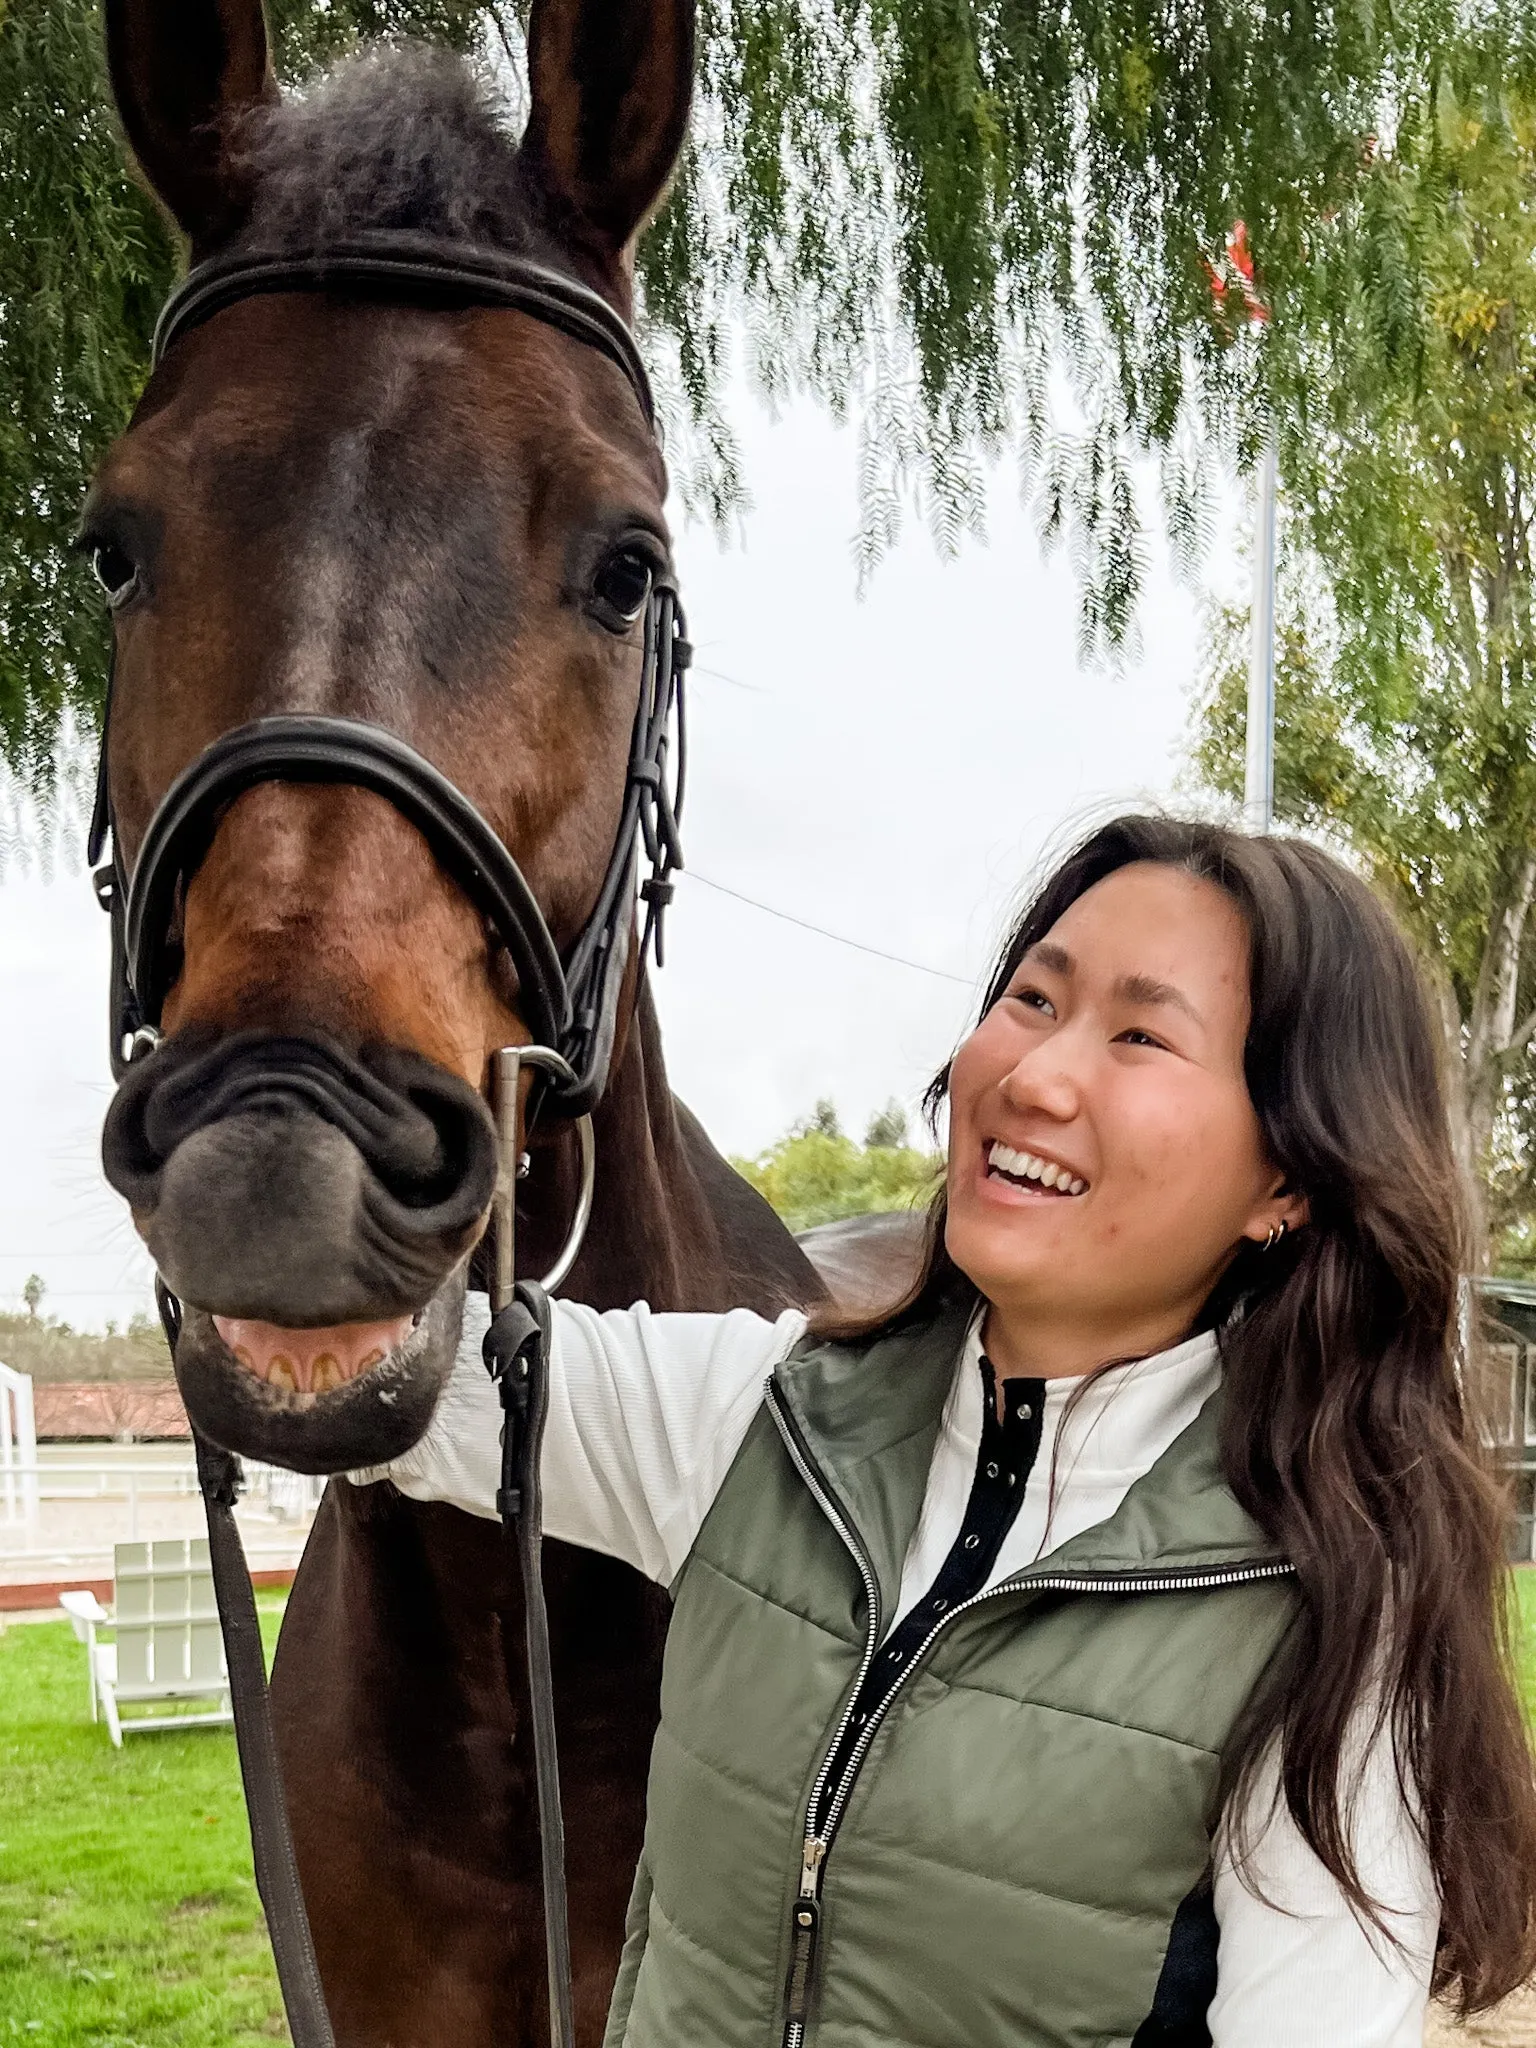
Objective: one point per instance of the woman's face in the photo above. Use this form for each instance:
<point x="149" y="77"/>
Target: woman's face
<point x="1105" y="1161"/>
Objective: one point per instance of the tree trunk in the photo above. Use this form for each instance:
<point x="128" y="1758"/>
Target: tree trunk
<point x="1480" y="1051"/>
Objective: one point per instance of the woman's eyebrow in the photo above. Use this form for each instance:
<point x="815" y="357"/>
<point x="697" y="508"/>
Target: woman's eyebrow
<point x="1145" y="989"/>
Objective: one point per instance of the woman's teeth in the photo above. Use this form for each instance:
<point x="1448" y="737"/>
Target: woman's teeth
<point x="1024" y="1166"/>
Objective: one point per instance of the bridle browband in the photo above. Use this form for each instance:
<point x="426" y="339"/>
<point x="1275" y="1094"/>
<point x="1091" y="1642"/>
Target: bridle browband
<point x="569" y="1004"/>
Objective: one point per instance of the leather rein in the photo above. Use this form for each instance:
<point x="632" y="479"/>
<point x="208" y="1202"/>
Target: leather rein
<point x="569" y="1003"/>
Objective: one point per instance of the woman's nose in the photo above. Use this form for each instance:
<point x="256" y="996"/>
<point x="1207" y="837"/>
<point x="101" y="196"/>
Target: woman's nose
<point x="1046" y="1079"/>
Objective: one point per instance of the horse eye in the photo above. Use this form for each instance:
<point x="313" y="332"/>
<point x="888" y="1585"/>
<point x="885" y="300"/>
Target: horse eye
<point x="115" y="572"/>
<point x="623" y="584"/>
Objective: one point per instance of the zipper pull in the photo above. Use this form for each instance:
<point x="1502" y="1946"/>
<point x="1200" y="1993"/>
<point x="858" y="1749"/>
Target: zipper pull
<point x="805" y="1925"/>
<point x="810" y="1867"/>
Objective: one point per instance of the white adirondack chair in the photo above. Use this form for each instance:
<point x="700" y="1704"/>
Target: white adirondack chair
<point x="166" y="1646"/>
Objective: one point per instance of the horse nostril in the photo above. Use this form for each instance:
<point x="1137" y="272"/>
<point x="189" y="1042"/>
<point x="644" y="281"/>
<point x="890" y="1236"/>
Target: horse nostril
<point x="421" y="1133"/>
<point x="291" y="1180"/>
<point x="439" y="1147"/>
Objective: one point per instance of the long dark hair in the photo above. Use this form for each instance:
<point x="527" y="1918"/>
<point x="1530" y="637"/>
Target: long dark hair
<point x="1347" y="1431"/>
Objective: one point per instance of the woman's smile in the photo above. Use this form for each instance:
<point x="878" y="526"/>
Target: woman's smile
<point x="1020" y="1177"/>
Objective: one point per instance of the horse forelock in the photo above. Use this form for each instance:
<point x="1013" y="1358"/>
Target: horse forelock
<point x="406" y="137"/>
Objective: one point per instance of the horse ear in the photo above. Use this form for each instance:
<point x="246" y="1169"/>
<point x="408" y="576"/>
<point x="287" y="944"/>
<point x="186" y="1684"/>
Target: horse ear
<point x="610" y="84"/>
<point x="182" y="73"/>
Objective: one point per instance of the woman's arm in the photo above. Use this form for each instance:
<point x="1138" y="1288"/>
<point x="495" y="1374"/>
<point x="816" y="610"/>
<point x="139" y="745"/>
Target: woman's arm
<point x="1296" y="1968"/>
<point x="646" y="1413"/>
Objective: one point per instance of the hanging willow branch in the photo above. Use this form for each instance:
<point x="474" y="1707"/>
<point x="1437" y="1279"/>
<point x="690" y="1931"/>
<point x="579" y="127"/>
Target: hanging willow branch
<point x="923" y="211"/>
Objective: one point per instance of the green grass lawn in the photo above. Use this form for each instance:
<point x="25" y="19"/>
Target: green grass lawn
<point x="1525" y="1636"/>
<point x="128" y="1912"/>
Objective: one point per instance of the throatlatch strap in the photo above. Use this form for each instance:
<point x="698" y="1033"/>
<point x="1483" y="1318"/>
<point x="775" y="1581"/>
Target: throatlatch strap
<point x="516" y="1352"/>
<point x="277" y="1871"/>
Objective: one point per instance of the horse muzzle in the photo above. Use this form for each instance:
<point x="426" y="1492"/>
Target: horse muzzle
<point x="314" y="1209"/>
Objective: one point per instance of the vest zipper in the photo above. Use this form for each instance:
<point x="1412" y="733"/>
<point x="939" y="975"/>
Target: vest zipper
<point x="805" y="1928"/>
<point x="805" y="1915"/>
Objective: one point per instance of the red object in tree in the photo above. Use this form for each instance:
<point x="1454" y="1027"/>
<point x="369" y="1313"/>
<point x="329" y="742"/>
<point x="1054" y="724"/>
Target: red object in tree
<point x="1234" y="273"/>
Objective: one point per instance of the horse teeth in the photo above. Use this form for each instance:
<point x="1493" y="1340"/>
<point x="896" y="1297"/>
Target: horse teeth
<point x="326" y="1375"/>
<point x="374" y="1358"/>
<point x="281" y="1373"/>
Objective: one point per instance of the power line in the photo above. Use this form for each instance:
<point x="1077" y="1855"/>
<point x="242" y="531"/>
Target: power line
<point x="858" y="946"/>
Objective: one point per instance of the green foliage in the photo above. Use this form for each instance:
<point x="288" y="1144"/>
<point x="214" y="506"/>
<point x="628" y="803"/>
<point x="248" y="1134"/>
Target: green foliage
<point x="930" y="206"/>
<point x="128" y="1908"/>
<point x="923" y="208"/>
<point x="823" y="1119"/>
<point x="1514" y="1254"/>
<point x="1406" y="662"/>
<point x="887" y="1128"/>
<point x="51" y="1353"/>
<point x="816" y="1175"/>
<point x="85" y="261"/>
<point x="1523" y="1632"/>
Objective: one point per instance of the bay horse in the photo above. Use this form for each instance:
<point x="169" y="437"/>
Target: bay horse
<point x="441" y="521"/>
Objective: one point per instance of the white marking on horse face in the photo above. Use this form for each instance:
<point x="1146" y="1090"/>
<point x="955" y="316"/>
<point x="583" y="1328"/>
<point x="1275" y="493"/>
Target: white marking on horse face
<point x="355" y="626"/>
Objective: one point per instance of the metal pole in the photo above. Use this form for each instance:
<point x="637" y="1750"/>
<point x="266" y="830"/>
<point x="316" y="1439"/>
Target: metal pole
<point x="506" y="1069"/>
<point x="1259" y="778"/>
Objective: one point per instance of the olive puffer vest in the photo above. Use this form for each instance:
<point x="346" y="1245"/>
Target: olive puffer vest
<point x="1006" y="1861"/>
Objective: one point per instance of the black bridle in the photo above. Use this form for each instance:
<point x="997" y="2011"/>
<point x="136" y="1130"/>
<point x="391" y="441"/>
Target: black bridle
<point x="569" y="1003"/>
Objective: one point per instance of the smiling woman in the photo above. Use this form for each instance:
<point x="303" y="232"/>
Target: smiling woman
<point x="1106" y="1642"/>
<point x="1112" y="1063"/>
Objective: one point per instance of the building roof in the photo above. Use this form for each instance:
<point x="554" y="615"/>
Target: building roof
<point x="76" y="1410"/>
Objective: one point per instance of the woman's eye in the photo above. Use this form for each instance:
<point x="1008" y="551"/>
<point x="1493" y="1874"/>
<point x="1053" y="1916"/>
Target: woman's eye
<point x="1142" y="1038"/>
<point x="1034" y="999"/>
<point x="623" y="584"/>
<point x="115" y="572"/>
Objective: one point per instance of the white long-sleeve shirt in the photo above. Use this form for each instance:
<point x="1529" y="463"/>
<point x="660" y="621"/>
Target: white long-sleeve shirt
<point x="646" y="1415"/>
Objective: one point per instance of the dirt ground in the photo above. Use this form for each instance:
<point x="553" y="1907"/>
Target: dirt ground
<point x="1513" y="2025"/>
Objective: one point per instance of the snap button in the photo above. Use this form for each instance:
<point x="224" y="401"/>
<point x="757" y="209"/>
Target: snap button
<point x="992" y="1471"/>
<point x="973" y="1542"/>
<point x="1024" y="1412"/>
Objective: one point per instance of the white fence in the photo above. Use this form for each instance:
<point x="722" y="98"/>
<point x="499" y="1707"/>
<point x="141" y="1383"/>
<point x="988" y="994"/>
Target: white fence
<point x="89" y="1497"/>
<point x="18" y="1448"/>
<point x="285" y="1496"/>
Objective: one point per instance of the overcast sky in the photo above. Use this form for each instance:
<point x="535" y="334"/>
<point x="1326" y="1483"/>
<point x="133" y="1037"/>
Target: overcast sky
<point x="890" y="768"/>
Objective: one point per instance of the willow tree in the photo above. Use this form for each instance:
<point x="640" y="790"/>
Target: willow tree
<point x="919" y="209"/>
<point x="1406" y="685"/>
<point x="85" y="261"/>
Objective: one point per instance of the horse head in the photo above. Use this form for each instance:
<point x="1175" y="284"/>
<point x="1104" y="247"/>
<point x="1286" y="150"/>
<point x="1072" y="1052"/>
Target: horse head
<point x="428" y="515"/>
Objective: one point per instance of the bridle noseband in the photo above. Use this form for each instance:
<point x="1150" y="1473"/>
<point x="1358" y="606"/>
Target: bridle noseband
<point x="569" y="1004"/>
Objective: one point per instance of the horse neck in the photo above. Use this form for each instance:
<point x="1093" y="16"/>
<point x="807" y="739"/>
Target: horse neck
<point x="671" y="1224"/>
